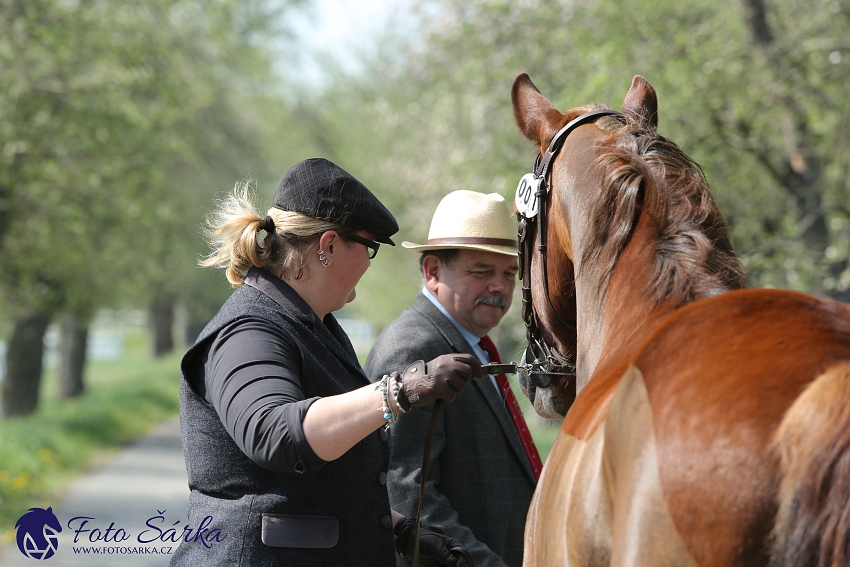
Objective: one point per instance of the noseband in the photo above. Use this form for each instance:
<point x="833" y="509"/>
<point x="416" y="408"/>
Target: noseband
<point x="541" y="361"/>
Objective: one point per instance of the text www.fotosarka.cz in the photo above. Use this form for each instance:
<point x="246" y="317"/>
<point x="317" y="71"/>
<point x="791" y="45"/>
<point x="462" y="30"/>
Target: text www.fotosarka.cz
<point x="114" y="550"/>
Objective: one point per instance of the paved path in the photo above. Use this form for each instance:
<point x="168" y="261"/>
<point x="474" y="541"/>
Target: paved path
<point x="146" y="478"/>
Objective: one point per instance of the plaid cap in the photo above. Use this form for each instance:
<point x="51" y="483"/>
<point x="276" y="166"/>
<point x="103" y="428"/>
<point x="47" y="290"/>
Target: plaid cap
<point x="321" y="189"/>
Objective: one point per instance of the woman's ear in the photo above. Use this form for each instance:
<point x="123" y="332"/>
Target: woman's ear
<point x="327" y="241"/>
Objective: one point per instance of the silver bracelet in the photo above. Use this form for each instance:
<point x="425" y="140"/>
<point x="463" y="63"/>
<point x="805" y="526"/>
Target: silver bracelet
<point x="385" y="406"/>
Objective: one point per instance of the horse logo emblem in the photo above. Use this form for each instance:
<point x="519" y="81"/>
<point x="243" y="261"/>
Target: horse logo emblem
<point x="37" y="533"/>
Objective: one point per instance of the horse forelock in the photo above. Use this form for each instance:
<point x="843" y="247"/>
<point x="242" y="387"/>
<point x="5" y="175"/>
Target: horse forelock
<point x="643" y="172"/>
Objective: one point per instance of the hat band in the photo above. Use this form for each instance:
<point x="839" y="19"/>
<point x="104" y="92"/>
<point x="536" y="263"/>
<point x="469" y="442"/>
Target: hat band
<point x="472" y="240"/>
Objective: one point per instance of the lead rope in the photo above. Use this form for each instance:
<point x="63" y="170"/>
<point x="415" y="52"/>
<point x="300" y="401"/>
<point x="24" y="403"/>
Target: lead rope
<point x="426" y="461"/>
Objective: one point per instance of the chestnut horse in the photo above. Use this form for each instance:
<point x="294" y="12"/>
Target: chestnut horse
<point x="706" y="424"/>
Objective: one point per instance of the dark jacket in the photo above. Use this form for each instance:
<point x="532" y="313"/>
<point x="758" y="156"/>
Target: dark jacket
<point x="480" y="481"/>
<point x="336" y="515"/>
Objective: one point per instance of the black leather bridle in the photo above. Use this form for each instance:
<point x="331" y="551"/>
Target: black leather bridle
<point x="542" y="361"/>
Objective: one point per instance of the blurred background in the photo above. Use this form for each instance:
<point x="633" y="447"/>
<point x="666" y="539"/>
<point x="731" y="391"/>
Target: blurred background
<point x="122" y="120"/>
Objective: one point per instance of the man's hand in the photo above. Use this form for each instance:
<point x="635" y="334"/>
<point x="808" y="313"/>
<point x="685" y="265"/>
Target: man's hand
<point x="441" y="379"/>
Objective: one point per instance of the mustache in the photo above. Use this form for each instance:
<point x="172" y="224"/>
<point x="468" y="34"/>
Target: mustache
<point x="494" y="300"/>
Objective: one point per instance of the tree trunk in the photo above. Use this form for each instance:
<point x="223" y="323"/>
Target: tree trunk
<point x="24" y="364"/>
<point x="72" y="356"/>
<point x="162" y="321"/>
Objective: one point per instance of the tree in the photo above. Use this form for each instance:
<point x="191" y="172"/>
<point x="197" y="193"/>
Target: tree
<point x="120" y="120"/>
<point x="754" y="91"/>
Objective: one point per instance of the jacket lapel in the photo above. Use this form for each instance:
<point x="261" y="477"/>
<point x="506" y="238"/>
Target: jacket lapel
<point x="456" y="341"/>
<point x="332" y="336"/>
<point x="485" y="386"/>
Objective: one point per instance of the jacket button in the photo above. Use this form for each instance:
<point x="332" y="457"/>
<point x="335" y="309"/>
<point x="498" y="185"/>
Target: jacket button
<point x="386" y="522"/>
<point x="382" y="434"/>
<point x="382" y="478"/>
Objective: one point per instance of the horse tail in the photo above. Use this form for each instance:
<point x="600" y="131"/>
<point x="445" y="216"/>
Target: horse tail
<point x="813" y="442"/>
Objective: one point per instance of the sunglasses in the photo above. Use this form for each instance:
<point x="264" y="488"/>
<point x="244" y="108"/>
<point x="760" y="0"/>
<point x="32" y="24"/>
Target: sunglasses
<point x="370" y="244"/>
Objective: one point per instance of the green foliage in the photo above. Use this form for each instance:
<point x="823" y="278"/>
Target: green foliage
<point x="769" y="119"/>
<point x="40" y="452"/>
<point x="120" y="121"/>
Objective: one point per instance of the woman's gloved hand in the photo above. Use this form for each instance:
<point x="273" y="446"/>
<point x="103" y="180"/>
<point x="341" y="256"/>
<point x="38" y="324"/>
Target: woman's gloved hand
<point x="435" y="548"/>
<point x="440" y="379"/>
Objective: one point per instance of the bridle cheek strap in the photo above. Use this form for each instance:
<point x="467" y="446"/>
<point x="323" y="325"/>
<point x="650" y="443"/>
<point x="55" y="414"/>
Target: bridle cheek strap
<point x="537" y="346"/>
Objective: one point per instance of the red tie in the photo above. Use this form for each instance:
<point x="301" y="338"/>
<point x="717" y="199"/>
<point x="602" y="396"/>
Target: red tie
<point x="513" y="408"/>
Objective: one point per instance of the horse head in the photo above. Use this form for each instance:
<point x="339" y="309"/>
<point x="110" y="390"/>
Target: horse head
<point x="554" y="323"/>
<point x="616" y="194"/>
<point x="555" y="329"/>
<point x="552" y="271"/>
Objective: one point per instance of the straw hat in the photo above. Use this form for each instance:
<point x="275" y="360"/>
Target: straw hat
<point x="470" y="220"/>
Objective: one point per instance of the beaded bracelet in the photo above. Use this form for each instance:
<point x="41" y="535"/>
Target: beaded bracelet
<point x="395" y="388"/>
<point x="385" y="406"/>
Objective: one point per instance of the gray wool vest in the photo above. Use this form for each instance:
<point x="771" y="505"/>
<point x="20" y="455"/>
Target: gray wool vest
<point x="337" y="515"/>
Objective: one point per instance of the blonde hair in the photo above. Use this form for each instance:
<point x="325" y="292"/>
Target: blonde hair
<point x="233" y="231"/>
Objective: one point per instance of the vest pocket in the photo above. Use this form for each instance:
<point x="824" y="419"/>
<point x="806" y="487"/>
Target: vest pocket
<point x="286" y="530"/>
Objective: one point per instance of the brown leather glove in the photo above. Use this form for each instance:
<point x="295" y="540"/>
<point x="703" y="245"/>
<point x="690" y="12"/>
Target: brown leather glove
<point x="441" y="379"/>
<point x="435" y="548"/>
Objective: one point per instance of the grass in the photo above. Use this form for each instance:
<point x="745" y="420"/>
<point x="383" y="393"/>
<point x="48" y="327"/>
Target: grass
<point x="41" y="452"/>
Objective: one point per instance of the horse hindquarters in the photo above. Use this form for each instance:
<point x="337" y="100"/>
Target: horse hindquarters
<point x="643" y="530"/>
<point x="813" y="441"/>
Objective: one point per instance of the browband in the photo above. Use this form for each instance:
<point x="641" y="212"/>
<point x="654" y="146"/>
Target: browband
<point x="541" y="164"/>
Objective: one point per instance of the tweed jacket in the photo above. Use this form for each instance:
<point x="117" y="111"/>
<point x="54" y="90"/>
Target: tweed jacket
<point x="480" y="481"/>
<point x="336" y="515"/>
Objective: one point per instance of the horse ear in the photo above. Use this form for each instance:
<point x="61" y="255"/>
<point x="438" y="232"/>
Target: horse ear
<point x="641" y="102"/>
<point x="533" y="112"/>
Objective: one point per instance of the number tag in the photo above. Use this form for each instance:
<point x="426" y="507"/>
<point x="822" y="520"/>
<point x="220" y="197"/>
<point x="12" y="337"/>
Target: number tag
<point x="526" y="195"/>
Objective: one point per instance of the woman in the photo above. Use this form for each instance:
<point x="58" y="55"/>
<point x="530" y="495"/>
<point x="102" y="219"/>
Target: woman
<point x="282" y="432"/>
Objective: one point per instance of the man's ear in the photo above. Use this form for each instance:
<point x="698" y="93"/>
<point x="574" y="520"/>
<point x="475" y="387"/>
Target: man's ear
<point x="432" y="269"/>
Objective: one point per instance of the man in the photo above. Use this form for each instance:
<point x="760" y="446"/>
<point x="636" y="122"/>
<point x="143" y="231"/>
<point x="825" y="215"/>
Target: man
<point x="484" y="465"/>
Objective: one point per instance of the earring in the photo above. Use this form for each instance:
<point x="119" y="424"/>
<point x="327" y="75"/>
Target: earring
<point x="325" y="262"/>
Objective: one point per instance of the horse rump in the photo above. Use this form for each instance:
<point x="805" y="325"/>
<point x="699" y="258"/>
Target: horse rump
<point x="813" y="443"/>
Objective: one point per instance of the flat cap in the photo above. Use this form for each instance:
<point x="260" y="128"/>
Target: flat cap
<point x="321" y="189"/>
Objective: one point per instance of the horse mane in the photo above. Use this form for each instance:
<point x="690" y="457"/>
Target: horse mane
<point x="642" y="171"/>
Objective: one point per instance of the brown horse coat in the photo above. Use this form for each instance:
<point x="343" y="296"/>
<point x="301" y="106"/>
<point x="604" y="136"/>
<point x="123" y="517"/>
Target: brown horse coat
<point x="712" y="426"/>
